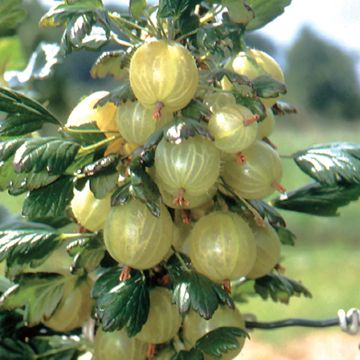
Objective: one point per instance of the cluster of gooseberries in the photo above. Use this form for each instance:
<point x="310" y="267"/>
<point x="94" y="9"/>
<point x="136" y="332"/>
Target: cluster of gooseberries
<point x="223" y="245"/>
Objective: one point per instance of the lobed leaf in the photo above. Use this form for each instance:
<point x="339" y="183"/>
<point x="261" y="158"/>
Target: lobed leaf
<point x="317" y="199"/>
<point x="331" y="164"/>
<point x="279" y="288"/>
<point x="191" y="289"/>
<point x="121" y="304"/>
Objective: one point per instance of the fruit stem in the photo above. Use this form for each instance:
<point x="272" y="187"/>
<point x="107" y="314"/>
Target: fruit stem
<point x="275" y="184"/>
<point x="119" y="18"/>
<point x="251" y="119"/>
<point x="181" y="260"/>
<point x="86" y="131"/>
<point x="125" y="273"/>
<point x="151" y="350"/>
<point x="119" y="41"/>
<point x="157" y="110"/>
<point x="76" y="236"/>
<point x="211" y="14"/>
<point x="183" y="37"/>
<point x="84" y="150"/>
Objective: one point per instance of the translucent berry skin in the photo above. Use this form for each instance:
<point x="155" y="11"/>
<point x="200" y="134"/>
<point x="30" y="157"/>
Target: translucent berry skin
<point x="74" y="308"/>
<point x="164" y="319"/>
<point x="135" y="237"/>
<point x="228" y="128"/>
<point x="254" y="63"/>
<point x="222" y="246"/>
<point x="268" y="249"/>
<point x="217" y="101"/>
<point x="266" y="127"/>
<point x="118" y="345"/>
<point x="192" y="165"/>
<point x="90" y="212"/>
<point x="195" y="327"/>
<point x="255" y="178"/>
<point x="166" y="72"/>
<point x="136" y="123"/>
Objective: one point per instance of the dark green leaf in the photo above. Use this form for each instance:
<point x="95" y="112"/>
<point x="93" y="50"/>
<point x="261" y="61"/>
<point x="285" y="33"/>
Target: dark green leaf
<point x="317" y="199"/>
<point x="12" y="349"/>
<point x="122" y="195"/>
<point x="192" y="354"/>
<point x="122" y="304"/>
<point x="112" y="63"/>
<point x="39" y="293"/>
<point x="194" y="290"/>
<point x="12" y="13"/>
<point x="86" y="134"/>
<point x="23" y="114"/>
<point x="285" y="235"/>
<point x="265" y="11"/>
<point x="221" y="340"/>
<point x="186" y="128"/>
<point x="9" y="147"/>
<point x="267" y="87"/>
<point x="195" y="110"/>
<point x="49" y="202"/>
<point x="137" y="7"/>
<point x="282" y="108"/>
<point x="49" y="153"/>
<point x="40" y="66"/>
<point x="27" y="245"/>
<point x="279" y="288"/>
<point x="268" y="212"/>
<point x="87" y="253"/>
<point x="118" y="95"/>
<point x="175" y="8"/>
<point x="331" y="164"/>
<point x="10" y="321"/>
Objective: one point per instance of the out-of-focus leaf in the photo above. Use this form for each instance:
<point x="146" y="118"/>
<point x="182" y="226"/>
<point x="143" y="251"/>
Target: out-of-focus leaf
<point x="192" y="354"/>
<point x="12" y="349"/>
<point x="12" y="14"/>
<point x="11" y="54"/>
<point x="265" y="11"/>
<point x="137" y="7"/>
<point x="267" y="87"/>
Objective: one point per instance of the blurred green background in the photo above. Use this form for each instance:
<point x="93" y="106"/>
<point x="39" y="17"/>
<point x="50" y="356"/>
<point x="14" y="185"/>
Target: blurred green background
<point x="322" y="82"/>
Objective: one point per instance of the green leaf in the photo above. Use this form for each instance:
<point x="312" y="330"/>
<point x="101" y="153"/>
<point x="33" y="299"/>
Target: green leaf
<point x="137" y="7"/>
<point x="267" y="87"/>
<point x="192" y="354"/>
<point x="49" y="153"/>
<point x="25" y="246"/>
<point x="265" y="11"/>
<point x="87" y="253"/>
<point x="121" y="304"/>
<point x="112" y="63"/>
<point x="122" y="195"/>
<point x="175" y="8"/>
<point x="85" y="134"/>
<point x="49" y="202"/>
<point x="9" y="147"/>
<point x="11" y="54"/>
<point x="41" y="65"/>
<point x="317" y="199"/>
<point x="191" y="289"/>
<point x="12" y="349"/>
<point x="279" y="288"/>
<point x="219" y="341"/>
<point x="12" y="14"/>
<point x="38" y="293"/>
<point x="196" y="110"/>
<point x="331" y="164"/>
<point x="186" y="128"/>
<point x="118" y="95"/>
<point x="268" y="212"/>
<point x="103" y="175"/>
<point x="286" y="236"/>
<point x="23" y="114"/>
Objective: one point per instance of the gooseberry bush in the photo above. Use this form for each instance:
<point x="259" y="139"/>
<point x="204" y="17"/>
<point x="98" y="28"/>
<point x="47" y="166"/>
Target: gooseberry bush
<point x="146" y="217"/>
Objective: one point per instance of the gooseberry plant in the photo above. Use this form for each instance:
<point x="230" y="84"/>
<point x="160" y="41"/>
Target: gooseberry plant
<point x="145" y="216"/>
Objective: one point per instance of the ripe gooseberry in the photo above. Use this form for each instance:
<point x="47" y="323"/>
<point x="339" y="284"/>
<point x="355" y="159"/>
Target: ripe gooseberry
<point x="266" y="127"/>
<point x="163" y="75"/>
<point x="90" y="212"/>
<point x="118" y="345"/>
<point x="163" y="321"/>
<point x="234" y="128"/>
<point x="259" y="176"/>
<point x="268" y="248"/>
<point x="135" y="237"/>
<point x="194" y="327"/>
<point x="136" y="122"/>
<point x="73" y="309"/>
<point x="222" y="246"/>
<point x="190" y="168"/>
